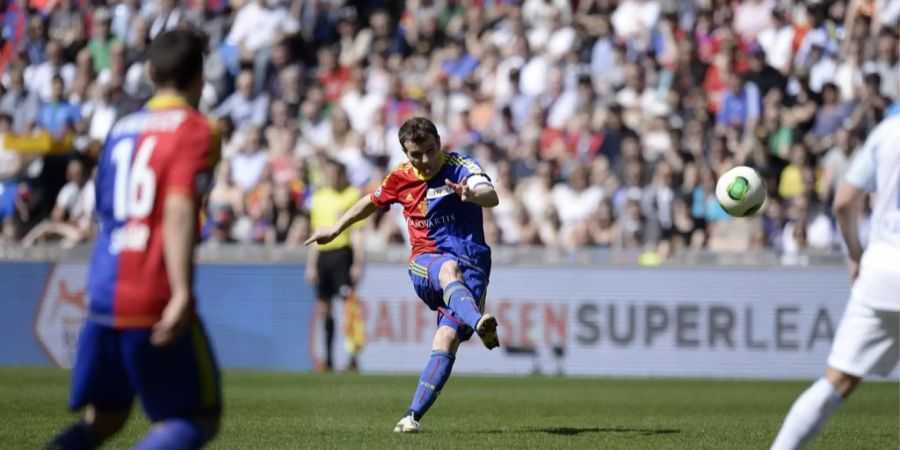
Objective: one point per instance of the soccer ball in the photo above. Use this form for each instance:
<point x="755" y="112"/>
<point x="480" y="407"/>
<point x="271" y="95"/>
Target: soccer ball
<point x="741" y="191"/>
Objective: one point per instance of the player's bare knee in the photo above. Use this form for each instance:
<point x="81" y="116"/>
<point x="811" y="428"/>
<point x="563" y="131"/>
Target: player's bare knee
<point x="445" y="340"/>
<point x="844" y="383"/>
<point x="449" y="273"/>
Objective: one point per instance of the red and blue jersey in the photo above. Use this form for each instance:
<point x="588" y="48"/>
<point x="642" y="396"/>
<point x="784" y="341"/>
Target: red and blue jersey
<point x="167" y="148"/>
<point x="438" y="220"/>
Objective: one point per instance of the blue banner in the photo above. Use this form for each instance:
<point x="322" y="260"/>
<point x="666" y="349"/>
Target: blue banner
<point x="258" y="316"/>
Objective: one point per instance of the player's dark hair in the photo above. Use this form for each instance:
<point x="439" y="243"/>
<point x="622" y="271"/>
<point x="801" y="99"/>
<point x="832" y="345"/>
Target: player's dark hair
<point x="176" y="57"/>
<point x="418" y="129"/>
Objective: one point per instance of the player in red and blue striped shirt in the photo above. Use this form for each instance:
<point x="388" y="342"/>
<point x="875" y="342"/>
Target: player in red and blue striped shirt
<point x="442" y="196"/>
<point x="142" y="336"/>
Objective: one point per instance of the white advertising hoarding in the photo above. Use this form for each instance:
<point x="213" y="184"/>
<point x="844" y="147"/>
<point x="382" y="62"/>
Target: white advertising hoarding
<point x="679" y="322"/>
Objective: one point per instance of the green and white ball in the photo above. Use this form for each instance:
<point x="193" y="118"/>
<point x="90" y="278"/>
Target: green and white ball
<point x="741" y="191"/>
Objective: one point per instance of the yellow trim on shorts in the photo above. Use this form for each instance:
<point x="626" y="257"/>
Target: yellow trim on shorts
<point x="418" y="269"/>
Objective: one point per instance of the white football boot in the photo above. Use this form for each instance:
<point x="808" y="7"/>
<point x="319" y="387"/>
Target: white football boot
<point x="487" y="331"/>
<point x="407" y="425"/>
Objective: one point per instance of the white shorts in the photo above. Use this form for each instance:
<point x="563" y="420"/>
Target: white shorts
<point x="867" y="341"/>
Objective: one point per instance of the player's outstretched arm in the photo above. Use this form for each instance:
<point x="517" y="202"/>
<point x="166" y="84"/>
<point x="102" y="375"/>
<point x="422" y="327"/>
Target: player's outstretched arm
<point x="360" y="210"/>
<point x="178" y="233"/>
<point x="482" y="194"/>
<point x="847" y="202"/>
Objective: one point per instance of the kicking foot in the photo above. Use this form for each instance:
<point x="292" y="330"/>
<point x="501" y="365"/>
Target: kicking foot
<point x="487" y="331"/>
<point x="407" y="425"/>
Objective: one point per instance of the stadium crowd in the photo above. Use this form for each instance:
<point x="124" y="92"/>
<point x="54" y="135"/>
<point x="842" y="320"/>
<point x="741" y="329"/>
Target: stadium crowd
<point x="602" y="123"/>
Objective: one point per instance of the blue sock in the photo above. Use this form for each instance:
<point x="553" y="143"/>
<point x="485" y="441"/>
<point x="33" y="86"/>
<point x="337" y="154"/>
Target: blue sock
<point x="174" y="434"/>
<point x="79" y="436"/>
<point x="431" y="382"/>
<point x="460" y="299"/>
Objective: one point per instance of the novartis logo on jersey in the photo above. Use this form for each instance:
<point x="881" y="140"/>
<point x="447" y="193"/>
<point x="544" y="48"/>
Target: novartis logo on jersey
<point x="132" y="237"/>
<point x="428" y="223"/>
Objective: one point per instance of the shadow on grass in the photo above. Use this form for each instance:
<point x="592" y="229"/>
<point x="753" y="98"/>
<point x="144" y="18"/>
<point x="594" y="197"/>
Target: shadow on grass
<point x="572" y="431"/>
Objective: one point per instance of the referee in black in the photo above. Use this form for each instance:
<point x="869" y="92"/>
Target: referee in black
<point x="334" y="268"/>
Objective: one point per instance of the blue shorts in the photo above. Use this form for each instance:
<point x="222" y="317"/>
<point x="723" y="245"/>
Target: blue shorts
<point x="178" y="381"/>
<point x="424" y="271"/>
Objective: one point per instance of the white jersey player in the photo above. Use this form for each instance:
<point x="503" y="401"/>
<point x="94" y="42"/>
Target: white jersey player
<point x="868" y="339"/>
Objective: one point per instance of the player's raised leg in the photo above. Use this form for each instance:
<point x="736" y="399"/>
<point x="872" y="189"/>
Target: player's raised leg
<point x="462" y="302"/>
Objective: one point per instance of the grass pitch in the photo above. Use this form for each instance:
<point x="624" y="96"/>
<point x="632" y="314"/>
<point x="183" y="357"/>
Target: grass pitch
<point x="281" y="410"/>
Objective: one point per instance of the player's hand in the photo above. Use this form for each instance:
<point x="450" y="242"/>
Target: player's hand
<point x="356" y="273"/>
<point x="322" y="236"/>
<point x="461" y="189"/>
<point x="853" y="268"/>
<point x="175" y="320"/>
<point x="312" y="275"/>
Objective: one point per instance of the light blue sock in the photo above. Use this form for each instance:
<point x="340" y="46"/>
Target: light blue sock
<point x="174" y="434"/>
<point x="431" y="382"/>
<point x="460" y="299"/>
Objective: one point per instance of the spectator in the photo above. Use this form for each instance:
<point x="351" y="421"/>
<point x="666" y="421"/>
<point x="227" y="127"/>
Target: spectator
<point x="576" y="200"/>
<point x="101" y="113"/>
<point x="618" y="101"/>
<point x="331" y="76"/>
<point x="360" y="104"/>
<point x="255" y="28"/>
<point x="887" y="63"/>
<point x="244" y="107"/>
<point x="225" y="193"/>
<point x="777" y="40"/>
<point x="765" y="77"/>
<point x="751" y="17"/>
<point x="832" y="114"/>
<point x="604" y="230"/>
<point x="20" y="103"/>
<point x="39" y="77"/>
<point x="72" y="217"/>
<point x="250" y="165"/>
<point x="102" y="41"/>
<point x="740" y="104"/>
<point x="57" y="115"/>
<point x="657" y="203"/>
<point x="284" y="78"/>
<point x="168" y="16"/>
<point x="13" y="211"/>
<point x="791" y="183"/>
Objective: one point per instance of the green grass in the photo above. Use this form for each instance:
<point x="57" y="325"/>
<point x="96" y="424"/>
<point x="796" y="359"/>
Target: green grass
<point x="280" y="410"/>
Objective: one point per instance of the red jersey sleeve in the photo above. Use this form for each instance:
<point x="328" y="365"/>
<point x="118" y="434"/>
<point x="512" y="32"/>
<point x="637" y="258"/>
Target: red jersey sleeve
<point x="386" y="194"/>
<point x="190" y="169"/>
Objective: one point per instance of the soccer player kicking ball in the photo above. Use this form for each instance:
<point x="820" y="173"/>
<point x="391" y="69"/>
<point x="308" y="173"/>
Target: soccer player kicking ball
<point x="868" y="339"/>
<point x="142" y="335"/>
<point x="442" y="196"/>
